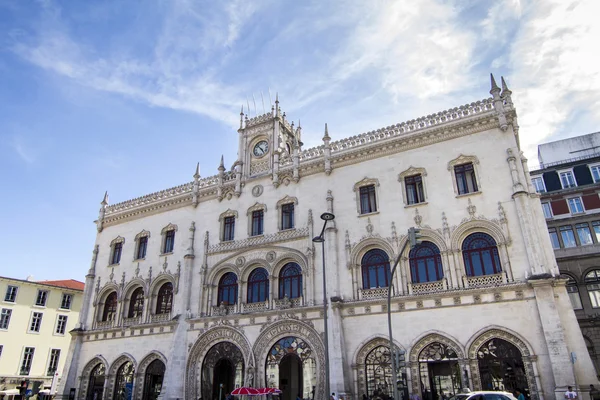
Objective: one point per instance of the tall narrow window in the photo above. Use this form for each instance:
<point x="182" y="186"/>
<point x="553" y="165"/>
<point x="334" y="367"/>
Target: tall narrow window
<point x="11" y="293"/>
<point x="66" y="301"/>
<point x="257" y="222"/>
<point x="375" y="266"/>
<point x="41" y="298"/>
<point x="575" y="205"/>
<point x="573" y="292"/>
<point x="287" y="216"/>
<point x="290" y="281"/>
<point x="585" y="236"/>
<point x="5" y="318"/>
<point x="123" y="381"/>
<point x="465" y="178"/>
<point x="547" y="210"/>
<point x="414" y="189"/>
<point x="480" y="254"/>
<point x="367" y="199"/>
<point x="425" y="263"/>
<point x="164" y="300"/>
<point x="27" y="361"/>
<point x="110" y="307"/>
<point x="258" y="286"/>
<point x="567" y="179"/>
<point x="554" y="238"/>
<point x="142" y="247"/>
<point x="592" y="280"/>
<point x="53" y="362"/>
<point x="169" y="241"/>
<point x="116" y="254"/>
<point x="538" y="184"/>
<point x="61" y="324"/>
<point x="228" y="289"/>
<point x="596" y="226"/>
<point x="36" y="322"/>
<point x="136" y="303"/>
<point x="228" y="228"/>
<point x="568" y="238"/>
<point x="596" y="173"/>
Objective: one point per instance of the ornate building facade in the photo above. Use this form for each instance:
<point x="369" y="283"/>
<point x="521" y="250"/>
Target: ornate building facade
<point x="214" y="284"/>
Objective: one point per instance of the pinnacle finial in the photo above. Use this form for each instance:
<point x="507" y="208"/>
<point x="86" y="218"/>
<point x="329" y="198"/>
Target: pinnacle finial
<point x="505" y="88"/>
<point x="197" y="174"/>
<point x="494" y="85"/>
<point x="276" y="97"/>
<point x="222" y="164"/>
<point x="105" y="199"/>
<point x="299" y="125"/>
<point x="326" y="135"/>
<point x="242" y="112"/>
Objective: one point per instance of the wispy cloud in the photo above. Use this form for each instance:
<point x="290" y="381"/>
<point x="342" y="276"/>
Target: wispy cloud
<point x="23" y="149"/>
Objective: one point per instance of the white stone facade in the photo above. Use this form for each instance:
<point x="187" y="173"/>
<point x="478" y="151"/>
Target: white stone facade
<point x="521" y="301"/>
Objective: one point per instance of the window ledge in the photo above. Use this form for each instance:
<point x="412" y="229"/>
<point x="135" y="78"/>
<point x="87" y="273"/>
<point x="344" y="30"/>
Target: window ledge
<point x="287" y="229"/>
<point x="578" y="213"/>
<point x="113" y="265"/>
<point x="38" y="306"/>
<point x="166" y="254"/>
<point x="64" y="309"/>
<point x="33" y="332"/>
<point x="58" y="334"/>
<point x="255" y="236"/>
<point x="368" y="214"/>
<point x="227" y="241"/>
<point x="468" y="194"/>
<point x="9" y="302"/>
<point x="424" y="203"/>
<point x="139" y="259"/>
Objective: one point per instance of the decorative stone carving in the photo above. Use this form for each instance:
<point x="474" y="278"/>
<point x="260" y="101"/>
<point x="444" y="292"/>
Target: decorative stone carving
<point x="270" y="257"/>
<point x="257" y="190"/>
<point x="361" y="358"/>
<point x="471" y="209"/>
<point x="418" y="218"/>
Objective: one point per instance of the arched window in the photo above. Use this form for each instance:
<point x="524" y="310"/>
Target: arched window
<point x="378" y="371"/>
<point x="228" y="289"/>
<point x="425" y="263"/>
<point x="258" y="286"/>
<point x="481" y="255"/>
<point x="573" y="291"/>
<point x="96" y="383"/>
<point x="164" y="300"/>
<point x="153" y="380"/>
<point x="290" y="281"/>
<point x="110" y="307"/>
<point x="124" y="377"/>
<point x="375" y="269"/>
<point x="136" y="303"/>
<point x="592" y="280"/>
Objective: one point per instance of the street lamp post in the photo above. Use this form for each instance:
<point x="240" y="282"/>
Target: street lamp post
<point x="321" y="239"/>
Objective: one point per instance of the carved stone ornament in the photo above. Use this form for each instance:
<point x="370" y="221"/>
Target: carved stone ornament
<point x="418" y="217"/>
<point x="471" y="209"/>
<point x="257" y="190"/>
<point x="240" y="261"/>
<point x="287" y="200"/>
<point x="271" y="255"/>
<point x="366" y="182"/>
<point x="369" y="226"/>
<point x="228" y="213"/>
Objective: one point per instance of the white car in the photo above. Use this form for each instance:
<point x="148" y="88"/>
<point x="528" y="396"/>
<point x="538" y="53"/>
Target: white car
<point x="484" y="395"/>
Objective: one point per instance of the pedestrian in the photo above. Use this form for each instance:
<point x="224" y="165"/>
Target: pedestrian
<point x="594" y="393"/>
<point x="519" y="394"/>
<point x="414" y="396"/>
<point x="570" y="394"/>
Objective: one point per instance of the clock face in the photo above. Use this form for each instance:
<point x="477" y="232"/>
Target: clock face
<point x="261" y="148"/>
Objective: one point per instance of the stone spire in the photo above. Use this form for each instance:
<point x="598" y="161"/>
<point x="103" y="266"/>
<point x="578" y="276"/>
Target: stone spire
<point x="102" y="212"/>
<point x="299" y="134"/>
<point x="242" y="117"/>
<point x="506" y="93"/>
<point x="197" y="173"/>
<point x="277" y="109"/>
<point x="327" y="147"/>
<point x="498" y="104"/>
<point x="221" y="175"/>
<point x="495" y="88"/>
<point x="196" y="186"/>
<point x="222" y="164"/>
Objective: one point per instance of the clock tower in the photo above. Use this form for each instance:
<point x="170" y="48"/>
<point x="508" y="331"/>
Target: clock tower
<point x="268" y="146"/>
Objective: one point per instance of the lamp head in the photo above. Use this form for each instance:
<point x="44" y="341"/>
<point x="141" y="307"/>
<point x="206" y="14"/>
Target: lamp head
<point x="318" y="239"/>
<point x="326" y="216"/>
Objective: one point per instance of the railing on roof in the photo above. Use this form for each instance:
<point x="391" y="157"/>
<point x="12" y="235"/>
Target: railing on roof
<point x="565" y="161"/>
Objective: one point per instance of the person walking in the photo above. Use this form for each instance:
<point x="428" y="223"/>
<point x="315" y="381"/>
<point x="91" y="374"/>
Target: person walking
<point x="594" y="393"/>
<point x="570" y="394"/>
<point x="519" y="394"/>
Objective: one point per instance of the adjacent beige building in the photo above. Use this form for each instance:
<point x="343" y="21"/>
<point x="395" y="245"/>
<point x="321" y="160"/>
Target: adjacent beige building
<point x="35" y="320"/>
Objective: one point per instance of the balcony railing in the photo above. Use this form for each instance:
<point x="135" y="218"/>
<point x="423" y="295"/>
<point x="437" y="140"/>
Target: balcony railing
<point x="485" y="280"/>
<point x="160" y="317"/>
<point x="370" y="294"/>
<point x="132" y="321"/>
<point x="288" y="303"/>
<point x="104" y="324"/>
<point x="427" y="287"/>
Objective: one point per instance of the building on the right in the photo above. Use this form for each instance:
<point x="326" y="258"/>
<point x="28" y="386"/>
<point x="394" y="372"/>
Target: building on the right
<point x="568" y="181"/>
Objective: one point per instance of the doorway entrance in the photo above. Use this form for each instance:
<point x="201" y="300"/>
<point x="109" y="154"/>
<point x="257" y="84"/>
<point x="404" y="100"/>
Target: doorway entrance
<point x="290" y="377"/>
<point x="222" y="371"/>
<point x="439" y="372"/>
<point x="96" y="385"/>
<point x="291" y="367"/>
<point x="501" y="367"/>
<point x="153" y="380"/>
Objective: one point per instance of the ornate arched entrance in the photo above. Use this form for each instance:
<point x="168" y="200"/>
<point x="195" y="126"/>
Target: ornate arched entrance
<point x="222" y="353"/>
<point x="93" y="379"/>
<point x="150" y="376"/>
<point x="299" y="347"/>
<point x="499" y="359"/>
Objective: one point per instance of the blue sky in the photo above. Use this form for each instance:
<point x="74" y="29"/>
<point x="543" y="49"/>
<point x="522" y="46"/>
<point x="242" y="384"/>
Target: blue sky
<point x="127" y="95"/>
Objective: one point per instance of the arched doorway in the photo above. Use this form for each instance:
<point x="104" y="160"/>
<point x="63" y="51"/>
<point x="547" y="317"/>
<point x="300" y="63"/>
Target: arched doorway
<point x="96" y="385"/>
<point x="153" y="379"/>
<point x="378" y="368"/>
<point x="439" y="371"/>
<point x="501" y="366"/>
<point x="223" y="365"/>
<point x="124" y="382"/>
<point x="291" y="367"/>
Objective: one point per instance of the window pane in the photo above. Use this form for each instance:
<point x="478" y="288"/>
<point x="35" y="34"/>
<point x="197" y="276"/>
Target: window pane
<point x="568" y="238"/>
<point x="596" y="173"/>
<point x="594" y="298"/>
<point x="575" y="205"/>
<point x="585" y="236"/>
<point x="567" y="180"/>
<point x="554" y="238"/>
<point x="538" y="183"/>
<point x="575" y="300"/>
<point x="547" y="210"/>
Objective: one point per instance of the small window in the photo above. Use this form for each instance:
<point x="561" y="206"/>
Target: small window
<point x="414" y="189"/>
<point x="568" y="238"/>
<point x="42" y="297"/>
<point x="110" y="307"/>
<point x="584" y="234"/>
<point x="228" y="228"/>
<point x="367" y="199"/>
<point x="61" y="324"/>
<point x="27" y="360"/>
<point x="592" y="280"/>
<point x="538" y="184"/>
<point x="227" y="291"/>
<point x="116" y="253"/>
<point x="596" y="227"/>
<point x="11" y="293"/>
<point x="142" y="247"/>
<point x="465" y="178"/>
<point x="257" y="223"/>
<point x="66" y="301"/>
<point x="554" y="238"/>
<point x="136" y="303"/>
<point x="53" y="362"/>
<point x="5" y="318"/>
<point x="567" y="180"/>
<point x="36" y="322"/>
<point x="573" y="292"/>
<point x="596" y="173"/>
<point x="547" y="210"/>
<point x="169" y="241"/>
<point x="164" y="300"/>
<point x="575" y="205"/>
<point x="287" y="216"/>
